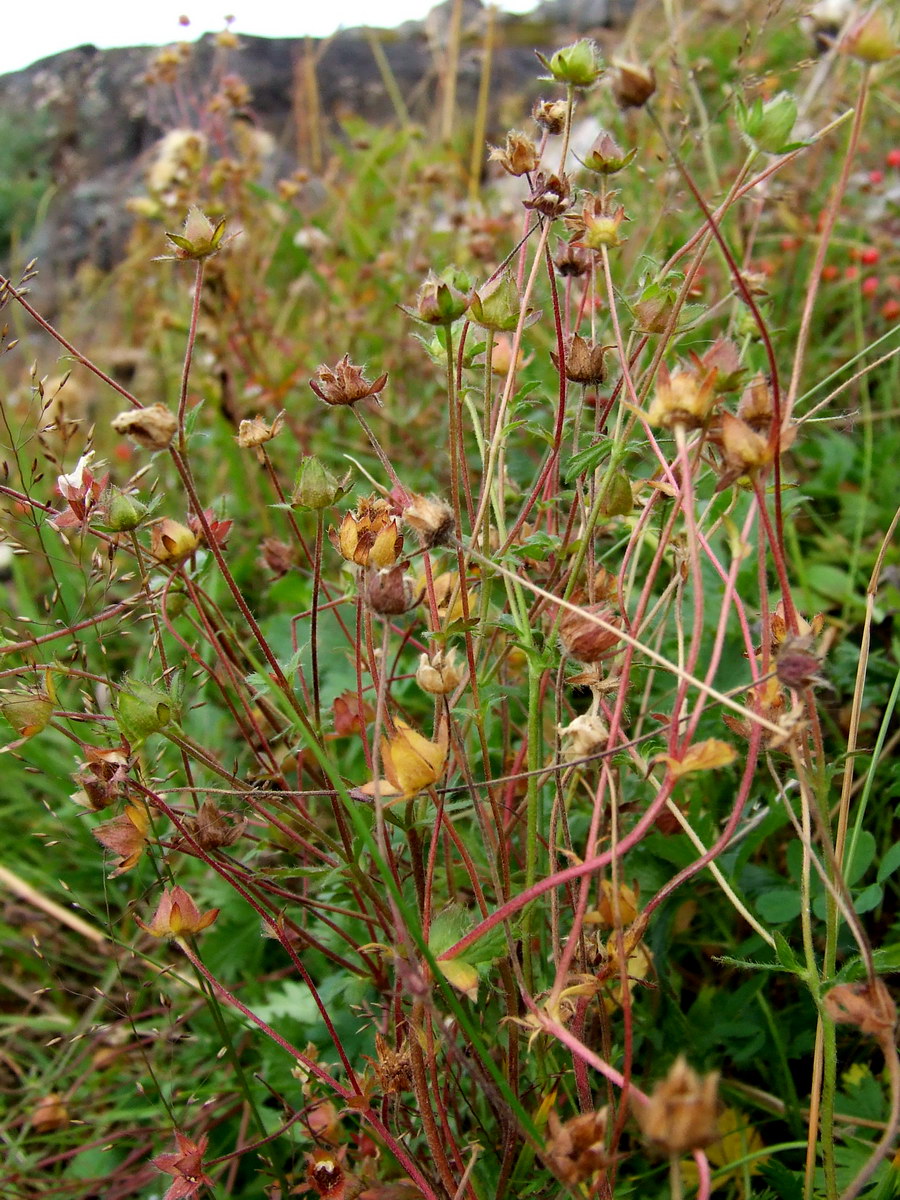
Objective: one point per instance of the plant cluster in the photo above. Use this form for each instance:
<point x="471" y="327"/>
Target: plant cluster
<point x="450" y="637"/>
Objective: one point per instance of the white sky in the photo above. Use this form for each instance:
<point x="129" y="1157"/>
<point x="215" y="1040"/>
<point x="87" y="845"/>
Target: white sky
<point x="34" y="29"/>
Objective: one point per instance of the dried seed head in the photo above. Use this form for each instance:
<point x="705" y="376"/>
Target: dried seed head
<point x="551" y="195"/>
<point x="576" y="1149"/>
<point x="685" y="398"/>
<point x="583" y="737"/>
<point x="255" y="432"/>
<point x="632" y="84"/>
<point x="345" y="384"/>
<point x="584" y="360"/>
<point x="438" y="674"/>
<point x="519" y="156"/>
<point x="370" y="537"/>
<point x="152" y="427"/>
<point x="550" y="115"/>
<point x="572" y="260"/>
<point x="867" y="1005"/>
<point x="797" y="665"/>
<point x="432" y="519"/>
<point x="584" y="639"/>
<point x="680" y="1115"/>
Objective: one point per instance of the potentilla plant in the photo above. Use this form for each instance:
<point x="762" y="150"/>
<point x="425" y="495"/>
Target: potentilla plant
<point x="481" y="767"/>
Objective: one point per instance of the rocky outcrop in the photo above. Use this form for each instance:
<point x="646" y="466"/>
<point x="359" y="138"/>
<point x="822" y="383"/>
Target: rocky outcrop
<point x="97" y="119"/>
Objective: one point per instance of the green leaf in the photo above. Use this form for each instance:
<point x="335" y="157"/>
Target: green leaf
<point x="785" y="954"/>
<point x="779" y="906"/>
<point x="863" y="847"/>
<point x="889" y="863"/>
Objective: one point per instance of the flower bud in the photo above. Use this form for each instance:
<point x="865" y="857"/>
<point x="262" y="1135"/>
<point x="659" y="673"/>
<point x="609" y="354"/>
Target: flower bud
<point x="578" y="65"/>
<point x="391" y="591"/>
<point x="680" y="1115"/>
<point x="441" y="300"/>
<point x="871" y="38"/>
<point x="632" y="84"/>
<point x="606" y="156"/>
<point x="497" y="305"/>
<point x="438" y="675"/>
<point x="172" y="542"/>
<point x="27" y="712"/>
<point x="617" y="499"/>
<point x="315" y="487"/>
<point x="152" y="427"/>
<point x="142" y="709"/>
<point x="584" y="639"/>
<point x="767" y="126"/>
<point x="200" y="238"/>
<point x="123" y="511"/>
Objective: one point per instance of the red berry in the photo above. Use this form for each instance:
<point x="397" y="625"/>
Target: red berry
<point x="893" y="158"/>
<point x="790" y="243"/>
<point x="890" y="310"/>
<point x="829" y="272"/>
<point x="876" y="177"/>
<point x="851" y="273"/>
<point x="870" y="255"/>
<point x="870" y="285"/>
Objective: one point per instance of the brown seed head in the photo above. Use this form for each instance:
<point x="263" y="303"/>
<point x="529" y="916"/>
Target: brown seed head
<point x="576" y="1149"/>
<point x="152" y="427"/>
<point x="345" y="384"/>
<point x="680" y="1115"/>
<point x="632" y="84"/>
<point x="519" y="156"/>
<point x="391" y="591"/>
<point x="584" y="639"/>
<point x="584" y="360"/>
<point x="551" y="195"/>
<point x="438" y="674"/>
<point x="432" y="519"/>
<point x="550" y="115"/>
<point x="685" y="398"/>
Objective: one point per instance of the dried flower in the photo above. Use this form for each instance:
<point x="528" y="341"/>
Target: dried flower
<point x="584" y="638"/>
<point x="701" y="756"/>
<point x="866" y="1005"/>
<point x="254" y="433"/>
<point x="432" y="519"/>
<point x="724" y="357"/>
<point x="125" y="836"/>
<point x="216" y="530"/>
<point x="755" y="406"/>
<point x="81" y="490"/>
<point x="583" y="737"/>
<point x="177" y="916"/>
<point x="210" y="829"/>
<point x="325" y="1174"/>
<point x="519" y="156"/>
<point x="411" y="763"/>
<point x="101" y="777"/>
<point x="744" y="450"/>
<point x="632" y="84"/>
<point x="797" y="665"/>
<point x="345" y="383"/>
<point x="606" y="156"/>
<point x="680" y="1115"/>
<point x="277" y="556"/>
<point x="579" y="65"/>
<point x="551" y="195"/>
<point x="584" y="360"/>
<point x="550" y="115"/>
<point x="438" y="673"/>
<point x="571" y="260"/>
<point x="152" y="427"/>
<point x="49" y="1114"/>
<point x="186" y="1166"/>
<point x="576" y="1150"/>
<point x="685" y="398"/>
<point x="370" y="537"/>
